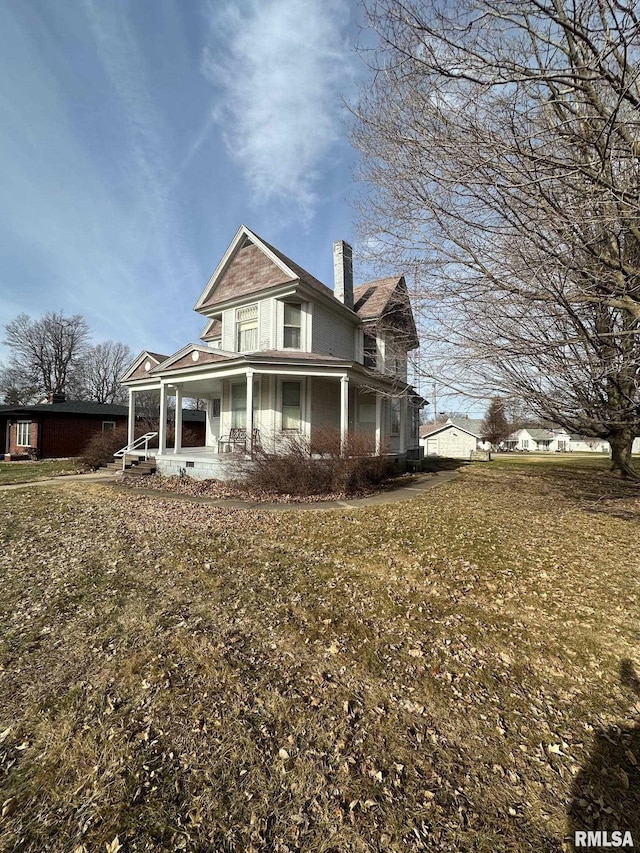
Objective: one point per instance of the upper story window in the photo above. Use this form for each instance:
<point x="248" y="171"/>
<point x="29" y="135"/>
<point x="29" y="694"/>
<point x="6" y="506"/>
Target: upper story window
<point x="247" y="328"/>
<point x="370" y="351"/>
<point x="292" y="325"/>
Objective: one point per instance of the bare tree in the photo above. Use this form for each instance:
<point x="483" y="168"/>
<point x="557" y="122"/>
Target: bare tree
<point x="18" y="387"/>
<point x="495" y="426"/>
<point x="501" y="140"/>
<point x="46" y="350"/>
<point x="102" y="367"/>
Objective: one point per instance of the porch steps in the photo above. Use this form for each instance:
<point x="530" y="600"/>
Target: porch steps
<point x="133" y="467"/>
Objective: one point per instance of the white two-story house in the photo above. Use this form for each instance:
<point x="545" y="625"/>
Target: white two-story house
<point x="281" y="354"/>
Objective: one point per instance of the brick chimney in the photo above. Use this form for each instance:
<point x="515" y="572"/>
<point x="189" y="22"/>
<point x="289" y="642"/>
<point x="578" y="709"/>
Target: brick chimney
<point x="343" y="273"/>
<point x="56" y="398"/>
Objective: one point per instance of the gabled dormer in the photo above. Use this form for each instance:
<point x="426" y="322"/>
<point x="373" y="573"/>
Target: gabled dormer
<point x="388" y="326"/>
<point x="260" y="300"/>
<point x="143" y="365"/>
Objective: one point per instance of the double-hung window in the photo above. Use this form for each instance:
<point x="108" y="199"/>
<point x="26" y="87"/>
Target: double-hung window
<point x="247" y="328"/>
<point x="292" y="325"/>
<point x="291" y="408"/>
<point x="23" y="438"/>
<point x="239" y="405"/>
<point x="370" y="351"/>
<point x="395" y="415"/>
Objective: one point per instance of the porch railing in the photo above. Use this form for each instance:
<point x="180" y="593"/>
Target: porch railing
<point x="136" y="445"/>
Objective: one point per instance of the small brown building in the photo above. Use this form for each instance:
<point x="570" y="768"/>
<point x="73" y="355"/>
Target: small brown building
<point x="62" y="429"/>
<point x="54" y="430"/>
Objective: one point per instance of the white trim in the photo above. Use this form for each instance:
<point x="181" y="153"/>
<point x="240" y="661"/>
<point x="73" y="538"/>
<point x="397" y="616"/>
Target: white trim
<point x="19" y="425"/>
<point x="344" y="411"/>
<point x="177" y="443"/>
<point x="144" y="355"/>
<point x="162" y="426"/>
<point x="228" y="256"/>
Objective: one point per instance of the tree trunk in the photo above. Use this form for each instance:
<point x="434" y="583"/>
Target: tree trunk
<point x="621" y="462"/>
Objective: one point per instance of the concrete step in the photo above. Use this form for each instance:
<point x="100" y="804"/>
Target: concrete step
<point x="133" y="465"/>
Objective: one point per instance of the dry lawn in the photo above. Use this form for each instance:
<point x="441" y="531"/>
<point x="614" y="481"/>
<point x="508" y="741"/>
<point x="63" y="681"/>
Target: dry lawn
<point x="455" y="673"/>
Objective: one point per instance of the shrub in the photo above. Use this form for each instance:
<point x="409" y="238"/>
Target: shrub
<point x="100" y="448"/>
<point x="304" y="467"/>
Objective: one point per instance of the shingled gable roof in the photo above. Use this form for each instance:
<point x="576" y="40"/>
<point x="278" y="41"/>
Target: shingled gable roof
<point x="183" y="358"/>
<point x="385" y="297"/>
<point x="136" y="370"/>
<point x="212" y="330"/>
<point x="249" y="266"/>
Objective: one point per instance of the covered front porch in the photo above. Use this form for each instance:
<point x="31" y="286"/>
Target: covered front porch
<point x="267" y="406"/>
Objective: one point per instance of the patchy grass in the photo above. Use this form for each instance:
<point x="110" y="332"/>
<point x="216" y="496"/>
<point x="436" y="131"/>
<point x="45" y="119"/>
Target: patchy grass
<point x="27" y="471"/>
<point x="455" y="673"/>
<point x="557" y="461"/>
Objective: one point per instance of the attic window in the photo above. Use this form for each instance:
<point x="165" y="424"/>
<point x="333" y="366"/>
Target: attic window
<point x="147" y="366"/>
<point x="195" y="355"/>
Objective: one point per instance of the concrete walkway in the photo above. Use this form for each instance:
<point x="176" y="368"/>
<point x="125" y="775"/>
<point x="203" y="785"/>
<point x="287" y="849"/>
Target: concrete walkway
<point x="420" y="485"/>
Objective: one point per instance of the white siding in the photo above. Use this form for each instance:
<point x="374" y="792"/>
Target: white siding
<point x="229" y="330"/>
<point x="450" y="442"/>
<point x="325" y="403"/>
<point x="265" y="312"/>
<point x="331" y="334"/>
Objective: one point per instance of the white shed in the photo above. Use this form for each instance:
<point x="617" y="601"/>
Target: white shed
<point x="448" y="439"/>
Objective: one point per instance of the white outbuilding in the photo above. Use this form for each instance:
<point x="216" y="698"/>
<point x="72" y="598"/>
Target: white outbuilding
<point x="453" y="439"/>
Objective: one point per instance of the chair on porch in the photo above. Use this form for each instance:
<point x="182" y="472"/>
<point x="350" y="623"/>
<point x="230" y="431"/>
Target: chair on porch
<point x="236" y="441"/>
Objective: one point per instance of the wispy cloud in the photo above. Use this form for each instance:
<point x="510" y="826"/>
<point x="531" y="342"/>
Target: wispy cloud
<point x="280" y="68"/>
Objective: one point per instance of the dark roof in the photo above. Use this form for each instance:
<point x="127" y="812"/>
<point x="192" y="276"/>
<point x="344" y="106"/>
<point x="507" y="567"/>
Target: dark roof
<point x="294" y="355"/>
<point x="371" y="298"/>
<point x="302" y="274"/>
<point x="471" y="425"/>
<point x="70" y="407"/>
<point x="193" y="415"/>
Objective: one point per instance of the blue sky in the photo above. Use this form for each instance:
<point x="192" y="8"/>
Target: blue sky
<point x="137" y="135"/>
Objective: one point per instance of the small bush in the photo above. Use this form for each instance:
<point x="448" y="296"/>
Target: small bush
<point x="100" y="448"/>
<point x="316" y="467"/>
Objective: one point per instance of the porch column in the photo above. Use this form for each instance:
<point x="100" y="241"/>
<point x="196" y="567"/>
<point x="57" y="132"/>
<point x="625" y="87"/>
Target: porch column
<point x="131" y="423"/>
<point x="162" y="426"/>
<point x="403" y="424"/>
<point x="177" y="444"/>
<point x="249" y="420"/>
<point x="344" y="412"/>
<point x="378" y="423"/>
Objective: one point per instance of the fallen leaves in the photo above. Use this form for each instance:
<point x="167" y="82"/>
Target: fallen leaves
<point x="254" y="682"/>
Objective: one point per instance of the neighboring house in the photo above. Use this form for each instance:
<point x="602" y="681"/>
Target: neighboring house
<point x="282" y="355"/>
<point x="456" y="438"/>
<point x="57" y="429"/>
<point x="62" y="428"/>
<point x="554" y="439"/>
